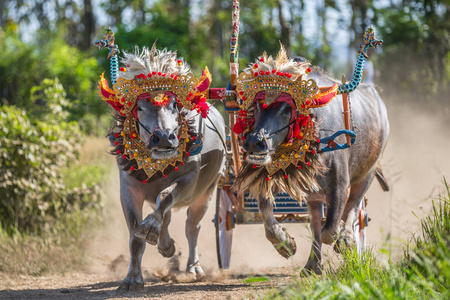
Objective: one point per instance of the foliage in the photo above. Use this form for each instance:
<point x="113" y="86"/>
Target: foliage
<point x="25" y="65"/>
<point x="172" y="30"/>
<point x="416" y="31"/>
<point x="33" y="155"/>
<point x="423" y="273"/>
<point x="49" y="100"/>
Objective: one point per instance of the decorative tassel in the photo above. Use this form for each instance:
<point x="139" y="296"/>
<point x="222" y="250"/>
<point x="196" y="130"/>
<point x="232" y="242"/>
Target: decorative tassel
<point x="296" y="130"/>
<point x="239" y="127"/>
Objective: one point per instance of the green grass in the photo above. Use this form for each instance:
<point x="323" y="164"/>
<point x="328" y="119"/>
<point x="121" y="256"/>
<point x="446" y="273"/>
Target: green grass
<point x="422" y="273"/>
<point x="90" y="175"/>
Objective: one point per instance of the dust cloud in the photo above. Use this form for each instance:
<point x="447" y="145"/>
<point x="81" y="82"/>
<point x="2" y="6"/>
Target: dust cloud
<point x="414" y="162"/>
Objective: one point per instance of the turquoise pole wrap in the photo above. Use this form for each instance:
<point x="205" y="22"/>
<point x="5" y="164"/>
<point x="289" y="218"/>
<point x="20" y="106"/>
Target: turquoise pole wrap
<point x="357" y="76"/>
<point x="114" y="67"/>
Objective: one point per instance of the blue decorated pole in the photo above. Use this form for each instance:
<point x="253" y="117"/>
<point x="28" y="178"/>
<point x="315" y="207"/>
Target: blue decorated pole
<point x="369" y="40"/>
<point x="107" y="41"/>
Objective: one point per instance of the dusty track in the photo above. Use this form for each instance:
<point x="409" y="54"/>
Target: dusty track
<point x="415" y="162"/>
<point x="89" y="286"/>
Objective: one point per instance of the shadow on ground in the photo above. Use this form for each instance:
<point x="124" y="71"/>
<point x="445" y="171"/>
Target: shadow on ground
<point x="108" y="290"/>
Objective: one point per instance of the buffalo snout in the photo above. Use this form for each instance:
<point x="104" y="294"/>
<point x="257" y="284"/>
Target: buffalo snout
<point x="163" y="139"/>
<point x="255" y="143"/>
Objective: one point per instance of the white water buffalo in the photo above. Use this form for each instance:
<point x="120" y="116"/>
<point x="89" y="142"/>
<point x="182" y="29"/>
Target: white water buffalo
<point x="166" y="153"/>
<point x="339" y="179"/>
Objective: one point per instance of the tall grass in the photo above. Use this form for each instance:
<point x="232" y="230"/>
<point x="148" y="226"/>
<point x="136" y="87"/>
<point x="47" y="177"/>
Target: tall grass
<point x="422" y="273"/>
<point x="60" y="248"/>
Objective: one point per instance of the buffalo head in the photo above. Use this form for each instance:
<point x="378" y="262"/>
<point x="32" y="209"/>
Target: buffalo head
<point x="272" y="126"/>
<point x="159" y="124"/>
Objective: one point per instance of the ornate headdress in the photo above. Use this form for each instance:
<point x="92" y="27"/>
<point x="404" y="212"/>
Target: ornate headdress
<point x="152" y="74"/>
<point x="276" y="77"/>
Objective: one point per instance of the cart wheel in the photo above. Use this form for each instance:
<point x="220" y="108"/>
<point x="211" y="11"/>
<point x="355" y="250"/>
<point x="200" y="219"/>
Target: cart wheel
<point x="359" y="228"/>
<point x="224" y="222"/>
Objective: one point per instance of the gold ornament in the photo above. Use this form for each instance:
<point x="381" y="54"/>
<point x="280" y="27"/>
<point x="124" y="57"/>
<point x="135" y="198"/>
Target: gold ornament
<point x="128" y="91"/>
<point x="135" y="148"/>
<point x="300" y="90"/>
<point x="293" y="153"/>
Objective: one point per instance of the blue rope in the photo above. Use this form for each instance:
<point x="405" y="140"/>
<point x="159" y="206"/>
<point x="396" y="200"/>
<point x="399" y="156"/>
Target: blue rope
<point x="325" y="140"/>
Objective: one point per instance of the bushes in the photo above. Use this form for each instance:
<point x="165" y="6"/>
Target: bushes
<point x="33" y="156"/>
<point x="25" y="65"/>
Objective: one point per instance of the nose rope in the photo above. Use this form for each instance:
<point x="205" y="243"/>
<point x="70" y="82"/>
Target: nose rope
<point x="151" y="134"/>
<point x="143" y="126"/>
<point x="283" y="128"/>
<point x="275" y="132"/>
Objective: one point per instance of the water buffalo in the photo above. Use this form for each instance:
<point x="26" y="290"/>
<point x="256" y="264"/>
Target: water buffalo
<point x="166" y="153"/>
<point x="339" y="179"/>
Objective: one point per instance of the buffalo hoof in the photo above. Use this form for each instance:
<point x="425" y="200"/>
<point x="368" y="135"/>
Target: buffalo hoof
<point x="343" y="243"/>
<point x="149" y="230"/>
<point x="169" y="251"/>
<point x="196" y="272"/>
<point x="311" y="267"/>
<point x="288" y="247"/>
<point x="328" y="236"/>
<point x="132" y="284"/>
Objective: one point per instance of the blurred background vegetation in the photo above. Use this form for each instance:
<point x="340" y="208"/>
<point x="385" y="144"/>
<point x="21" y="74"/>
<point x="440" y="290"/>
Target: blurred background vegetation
<point x="49" y="68"/>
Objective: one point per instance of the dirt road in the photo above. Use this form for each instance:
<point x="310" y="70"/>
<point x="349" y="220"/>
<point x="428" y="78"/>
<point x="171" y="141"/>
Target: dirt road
<point x="94" y="286"/>
<point x="415" y="162"/>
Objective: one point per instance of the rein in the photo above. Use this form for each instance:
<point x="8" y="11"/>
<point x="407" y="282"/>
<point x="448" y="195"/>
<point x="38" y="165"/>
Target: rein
<point x="283" y="128"/>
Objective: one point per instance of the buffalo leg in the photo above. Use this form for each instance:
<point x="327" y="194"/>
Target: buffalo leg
<point x="150" y="228"/>
<point x="357" y="192"/>
<point x="166" y="245"/>
<point x="132" y="209"/>
<point x="336" y="199"/>
<point x="314" y="261"/>
<point x="195" y="214"/>
<point x="277" y="235"/>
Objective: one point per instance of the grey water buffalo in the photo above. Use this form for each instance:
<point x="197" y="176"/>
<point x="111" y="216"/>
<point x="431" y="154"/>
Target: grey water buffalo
<point x="338" y="179"/>
<point x="166" y="152"/>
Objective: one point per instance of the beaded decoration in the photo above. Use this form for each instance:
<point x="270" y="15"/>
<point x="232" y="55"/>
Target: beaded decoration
<point x="293" y="153"/>
<point x="156" y="85"/>
<point x="275" y="77"/>
<point x="301" y="90"/>
<point x="135" y="149"/>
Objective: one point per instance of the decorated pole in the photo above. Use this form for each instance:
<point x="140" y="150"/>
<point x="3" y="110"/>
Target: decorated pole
<point x="107" y="41"/>
<point x="234" y="54"/>
<point x="234" y="71"/>
<point x="346" y="113"/>
<point x="369" y="40"/>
